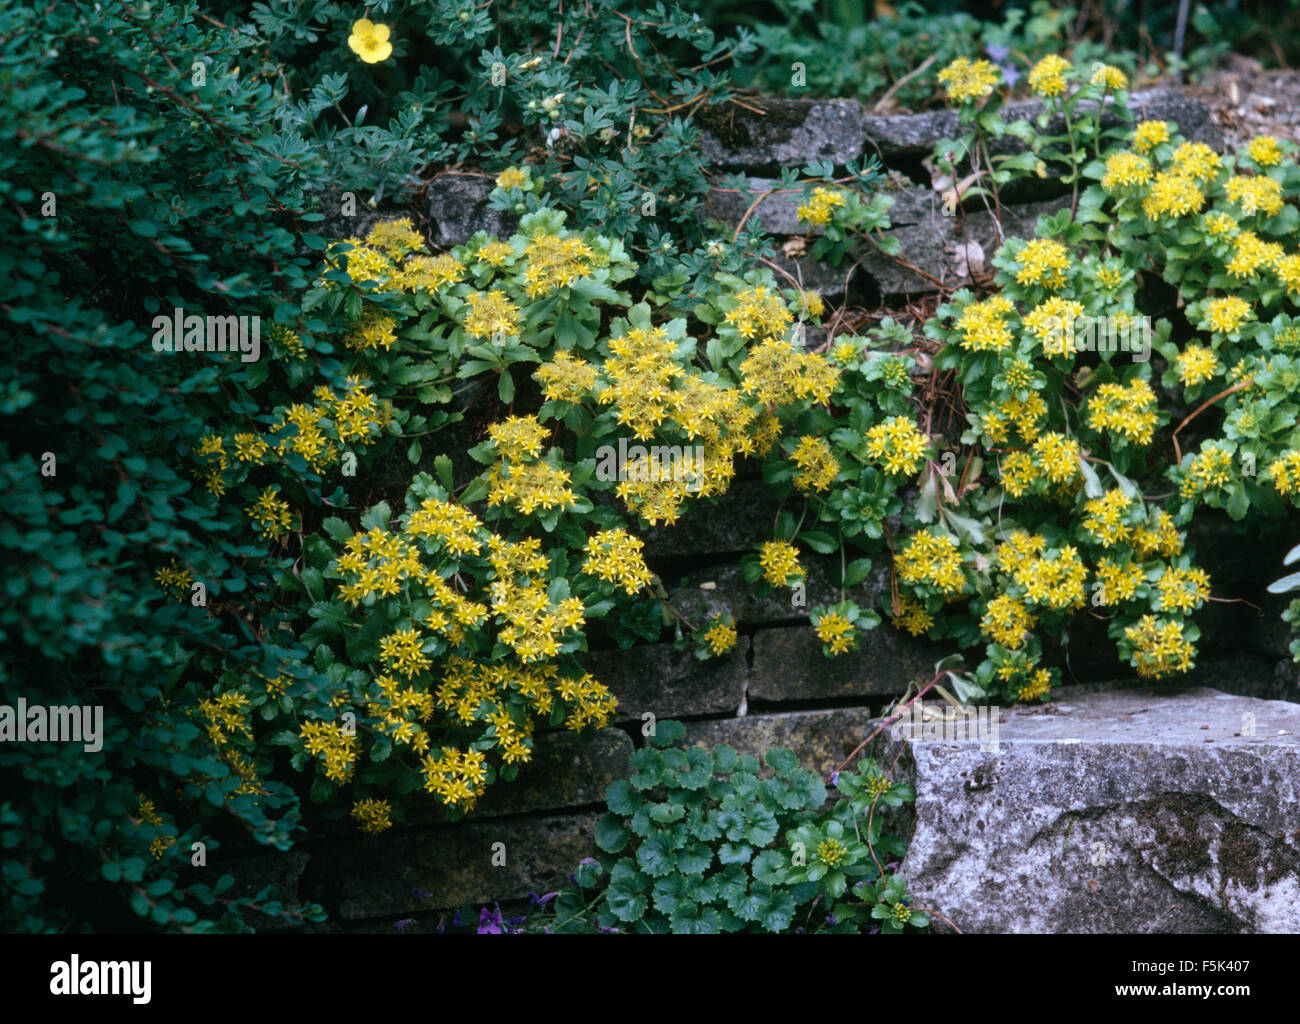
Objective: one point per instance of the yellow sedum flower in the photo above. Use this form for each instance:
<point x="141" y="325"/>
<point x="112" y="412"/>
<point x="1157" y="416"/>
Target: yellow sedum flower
<point x="1047" y="77"/>
<point x="780" y="562"/>
<point x="1150" y="134"/>
<point x="898" y="445"/>
<point x="372" y="816"/>
<point x="720" y="636"/>
<point x="968" y="80"/>
<point x="1196" y="364"/>
<point x="837" y="632"/>
<point x="1043" y="261"/>
<point x="1265" y="150"/>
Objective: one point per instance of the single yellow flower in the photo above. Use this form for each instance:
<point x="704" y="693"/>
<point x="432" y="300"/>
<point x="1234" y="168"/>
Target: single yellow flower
<point x="370" y="41"/>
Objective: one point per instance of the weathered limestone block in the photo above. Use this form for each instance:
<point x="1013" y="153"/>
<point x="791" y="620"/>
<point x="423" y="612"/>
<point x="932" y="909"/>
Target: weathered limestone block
<point x="789" y="133"/>
<point x="1113" y="812"/>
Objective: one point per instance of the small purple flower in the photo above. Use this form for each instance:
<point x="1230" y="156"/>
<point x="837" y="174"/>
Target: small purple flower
<point x="421" y="892"/>
<point x="835" y="778"/>
<point x="832" y="920"/>
<point x="540" y="901"/>
<point x="489" y="921"/>
<point x="997" y="52"/>
<point x="401" y="926"/>
<point x="455" y="921"/>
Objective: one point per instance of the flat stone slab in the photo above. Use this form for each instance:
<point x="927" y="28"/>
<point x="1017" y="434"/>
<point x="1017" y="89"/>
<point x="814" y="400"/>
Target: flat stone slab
<point x="789" y="133"/>
<point x="1121" y="811"/>
<point x="667" y="683"/>
<point x="820" y="739"/>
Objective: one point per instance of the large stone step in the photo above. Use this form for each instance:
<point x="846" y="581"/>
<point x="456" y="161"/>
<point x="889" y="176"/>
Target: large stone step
<point x="1111" y="811"/>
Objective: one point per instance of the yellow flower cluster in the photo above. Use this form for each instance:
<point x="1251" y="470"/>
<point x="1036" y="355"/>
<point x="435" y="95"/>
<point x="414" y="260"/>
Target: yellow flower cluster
<point x="817" y="464"/>
<point x="395" y="238"/>
<point x="898" y="444"/>
<point x="1251" y="252"/>
<point x="1150" y="134"/>
<point x="285" y="342"/>
<point x="1195" y="160"/>
<point x="529" y="487"/>
<point x="394" y="704"/>
<point x="932" y="560"/>
<point x="519" y="437"/>
<point x="642" y="371"/>
<point x="1119" y="583"/>
<point x="982" y="327"/>
<point x="1105" y="518"/>
<point x="615" y="556"/>
<point x="452" y="525"/>
<point x="566" y="378"/>
<point x="817" y="210"/>
<point x="1109" y="77"/>
<point x="373" y="330"/>
<point x="555" y="262"/>
<point x="174" y="580"/>
<point x="272" y="516"/>
<point x="1052" y="323"/>
<point x="1047" y="77"/>
<point x="457" y="778"/>
<point x="1124" y="170"/>
<point x="1172" y="195"/>
<point x="1226" y="315"/>
<point x="1127" y="410"/>
<point x="969" y="80"/>
<point x="1285" y="473"/>
<point x="1058" y="457"/>
<point x="837" y="631"/>
<point x="1043" y="261"/>
<point x="760" y="313"/>
<point x="148" y="814"/>
<point x="533" y="625"/>
<point x="913" y="617"/>
<point x="1159" y="647"/>
<point x="1054" y="577"/>
<point x="1182" y="590"/>
<point x="777" y="373"/>
<point x="1007" y="622"/>
<point x="1255" y="194"/>
<point x="1197" y="364"/>
<point x="403" y="652"/>
<point x="329" y="743"/>
<point x="1265" y="150"/>
<point x="429" y="273"/>
<point x="780" y="562"/>
<point x="1211" y="468"/>
<point x="1162" y="538"/>
<point x="1040" y="682"/>
<point x="372" y="816"/>
<point x="495" y="254"/>
<point x="720" y="636"/>
<point x="491" y="315"/>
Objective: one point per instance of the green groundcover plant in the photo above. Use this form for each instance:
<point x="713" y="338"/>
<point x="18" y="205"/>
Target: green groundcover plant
<point x="702" y="841"/>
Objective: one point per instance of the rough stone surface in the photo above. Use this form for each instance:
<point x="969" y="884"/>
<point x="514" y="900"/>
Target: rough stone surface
<point x="906" y="139"/>
<point x="458" y="208"/>
<point x="732" y="523"/>
<point x="820" y="739"/>
<point x="789" y="133"/>
<point x="789" y="665"/>
<point x="368" y="878"/>
<point x="1114" y="812"/>
<point x="669" y="683"/>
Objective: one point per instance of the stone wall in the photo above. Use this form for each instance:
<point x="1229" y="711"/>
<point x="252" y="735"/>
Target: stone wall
<point x="776" y="688"/>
